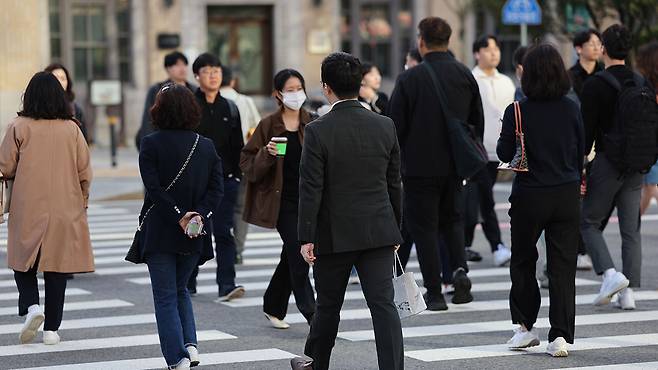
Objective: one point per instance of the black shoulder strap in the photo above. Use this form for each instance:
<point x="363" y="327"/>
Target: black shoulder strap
<point x="233" y="109"/>
<point x="610" y="79"/>
<point x="443" y="101"/>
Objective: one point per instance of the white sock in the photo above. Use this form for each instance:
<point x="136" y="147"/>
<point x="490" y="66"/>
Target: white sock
<point x="33" y="308"/>
<point x="609" y="272"/>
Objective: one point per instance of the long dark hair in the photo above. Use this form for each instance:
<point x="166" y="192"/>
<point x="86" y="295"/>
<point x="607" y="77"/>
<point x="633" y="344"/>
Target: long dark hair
<point x="69" y="86"/>
<point x="544" y="75"/>
<point x="44" y="98"/>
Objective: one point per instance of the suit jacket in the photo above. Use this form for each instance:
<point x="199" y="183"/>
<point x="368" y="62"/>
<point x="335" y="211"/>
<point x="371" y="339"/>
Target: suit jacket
<point x="349" y="191"/>
<point x="200" y="188"/>
<point x="421" y="126"/>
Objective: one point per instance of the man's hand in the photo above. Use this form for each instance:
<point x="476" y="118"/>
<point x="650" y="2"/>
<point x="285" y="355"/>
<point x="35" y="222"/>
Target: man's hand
<point x="307" y="253"/>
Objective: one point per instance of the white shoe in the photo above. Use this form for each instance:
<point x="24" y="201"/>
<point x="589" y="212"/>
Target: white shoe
<point x="33" y="321"/>
<point x="183" y="364"/>
<point x="584" y="262"/>
<point x="523" y="339"/>
<point x="194" y="355"/>
<point x="609" y="287"/>
<point x="558" y="348"/>
<point x="626" y="299"/>
<point x="502" y="255"/>
<point x="50" y="337"/>
<point x="237" y="292"/>
<point x="277" y="323"/>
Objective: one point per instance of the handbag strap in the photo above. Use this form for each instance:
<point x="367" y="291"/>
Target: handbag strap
<point x="517" y="118"/>
<point x="395" y="265"/>
<point x="180" y="172"/>
<point x="443" y="101"/>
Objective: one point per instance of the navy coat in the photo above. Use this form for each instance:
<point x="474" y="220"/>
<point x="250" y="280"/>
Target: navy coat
<point x="200" y="189"/>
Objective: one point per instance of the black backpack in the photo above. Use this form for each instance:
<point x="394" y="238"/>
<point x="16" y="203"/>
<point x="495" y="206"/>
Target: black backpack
<point x="631" y="145"/>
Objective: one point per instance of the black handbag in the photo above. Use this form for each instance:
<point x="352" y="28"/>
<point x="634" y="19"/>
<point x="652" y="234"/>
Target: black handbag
<point x="134" y="254"/>
<point x="468" y="152"/>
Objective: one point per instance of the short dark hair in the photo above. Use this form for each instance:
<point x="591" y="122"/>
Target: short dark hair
<point x="69" y="86"/>
<point x="284" y="75"/>
<point x="415" y="55"/>
<point x="227" y="76"/>
<point x="582" y="37"/>
<point x="175" y="108"/>
<point x="483" y="42"/>
<point x="173" y="58"/>
<point x="44" y="98"/>
<point x="519" y="54"/>
<point x="366" y="67"/>
<point x="618" y="41"/>
<point x="342" y="72"/>
<point x="544" y="75"/>
<point x="435" y="32"/>
<point x="205" y="60"/>
<point x="647" y="62"/>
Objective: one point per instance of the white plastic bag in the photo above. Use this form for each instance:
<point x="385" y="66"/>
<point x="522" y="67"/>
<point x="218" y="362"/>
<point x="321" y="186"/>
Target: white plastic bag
<point x="408" y="298"/>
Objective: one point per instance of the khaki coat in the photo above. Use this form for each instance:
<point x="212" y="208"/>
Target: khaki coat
<point x="49" y="162"/>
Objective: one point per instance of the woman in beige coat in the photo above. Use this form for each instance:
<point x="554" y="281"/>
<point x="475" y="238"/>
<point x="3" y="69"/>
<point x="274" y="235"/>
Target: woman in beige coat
<point x="47" y="156"/>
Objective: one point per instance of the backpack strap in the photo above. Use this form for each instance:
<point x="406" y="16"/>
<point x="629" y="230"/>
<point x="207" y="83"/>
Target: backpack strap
<point x="233" y="110"/>
<point x="610" y="79"/>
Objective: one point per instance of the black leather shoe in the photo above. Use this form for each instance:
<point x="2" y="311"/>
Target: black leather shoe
<point x="462" y="285"/>
<point x="472" y="255"/>
<point x="300" y="363"/>
<point x="435" y="302"/>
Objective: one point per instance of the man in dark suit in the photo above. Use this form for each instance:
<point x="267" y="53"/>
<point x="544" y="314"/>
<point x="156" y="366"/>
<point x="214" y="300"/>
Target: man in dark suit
<point x="432" y="189"/>
<point x="349" y="213"/>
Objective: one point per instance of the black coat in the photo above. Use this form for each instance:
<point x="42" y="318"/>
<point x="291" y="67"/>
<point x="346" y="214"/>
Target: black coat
<point x="200" y="188"/>
<point x="421" y="127"/>
<point x="349" y="189"/>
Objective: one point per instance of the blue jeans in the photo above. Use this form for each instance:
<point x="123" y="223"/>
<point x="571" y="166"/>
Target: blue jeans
<point x="225" y="249"/>
<point x="173" y="307"/>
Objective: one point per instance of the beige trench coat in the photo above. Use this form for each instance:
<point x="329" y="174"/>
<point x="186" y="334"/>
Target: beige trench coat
<point x="49" y="161"/>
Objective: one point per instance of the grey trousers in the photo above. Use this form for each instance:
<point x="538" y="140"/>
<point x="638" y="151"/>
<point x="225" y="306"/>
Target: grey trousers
<point x="240" y="227"/>
<point x="606" y="188"/>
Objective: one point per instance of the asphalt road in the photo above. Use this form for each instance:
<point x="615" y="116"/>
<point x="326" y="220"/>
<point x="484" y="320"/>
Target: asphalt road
<point x="109" y="323"/>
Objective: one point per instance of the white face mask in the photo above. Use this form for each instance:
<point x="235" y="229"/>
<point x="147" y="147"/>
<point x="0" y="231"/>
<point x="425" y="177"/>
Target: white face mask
<point x="294" y="100"/>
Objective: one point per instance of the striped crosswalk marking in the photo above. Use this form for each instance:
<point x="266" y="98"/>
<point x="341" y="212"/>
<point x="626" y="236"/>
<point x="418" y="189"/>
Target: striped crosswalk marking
<point x="69" y="293"/>
<point x="99" y="343"/>
<point x="78" y="306"/>
<point x="96" y="322"/>
<point x="217" y="358"/>
<point x="629" y="366"/>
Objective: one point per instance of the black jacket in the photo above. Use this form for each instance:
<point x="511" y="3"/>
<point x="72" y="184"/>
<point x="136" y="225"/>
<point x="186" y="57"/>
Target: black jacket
<point x="200" y="188"/>
<point x="221" y="123"/>
<point x="349" y="190"/>
<point x="147" y="124"/>
<point x="421" y="127"/>
<point x="554" y="141"/>
<point x="579" y="75"/>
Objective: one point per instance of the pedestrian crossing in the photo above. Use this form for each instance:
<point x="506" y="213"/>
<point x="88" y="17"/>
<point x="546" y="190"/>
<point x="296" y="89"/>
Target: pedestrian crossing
<point x="109" y="321"/>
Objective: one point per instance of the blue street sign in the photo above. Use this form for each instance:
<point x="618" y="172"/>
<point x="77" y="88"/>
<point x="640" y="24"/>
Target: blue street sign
<point x="521" y="12"/>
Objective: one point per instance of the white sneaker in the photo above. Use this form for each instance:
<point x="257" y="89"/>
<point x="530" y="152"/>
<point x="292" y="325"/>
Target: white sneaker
<point x="183" y="364"/>
<point x="609" y="287"/>
<point x="584" y="262"/>
<point x="33" y="321"/>
<point x="523" y="339"/>
<point x="558" y="348"/>
<point x="626" y="299"/>
<point x="50" y="337"/>
<point x="194" y="355"/>
<point x="502" y="255"/>
<point x="277" y="323"/>
<point x="237" y="292"/>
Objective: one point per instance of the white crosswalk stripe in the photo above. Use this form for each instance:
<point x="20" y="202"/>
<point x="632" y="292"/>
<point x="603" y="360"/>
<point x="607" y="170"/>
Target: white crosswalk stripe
<point x="112" y="230"/>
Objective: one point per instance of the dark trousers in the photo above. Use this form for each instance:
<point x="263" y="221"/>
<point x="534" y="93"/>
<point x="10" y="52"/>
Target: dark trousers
<point x="291" y="274"/>
<point x="557" y="211"/>
<point x="480" y="201"/>
<point x="432" y="205"/>
<point x="225" y="249"/>
<point x="173" y="307"/>
<point x="331" y="273"/>
<point x="405" y="251"/>
<point x="28" y="294"/>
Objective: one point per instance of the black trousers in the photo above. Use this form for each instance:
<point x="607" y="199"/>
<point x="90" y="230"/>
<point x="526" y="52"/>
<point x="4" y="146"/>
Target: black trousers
<point x="405" y="251"/>
<point x="331" y="273"/>
<point x="28" y="294"/>
<point x="433" y="205"/>
<point x="291" y="274"/>
<point x="480" y="201"/>
<point x="557" y="211"/>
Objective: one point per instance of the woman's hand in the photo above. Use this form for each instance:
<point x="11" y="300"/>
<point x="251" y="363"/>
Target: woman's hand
<point x="367" y="93"/>
<point x="186" y="220"/>
<point x="271" y="148"/>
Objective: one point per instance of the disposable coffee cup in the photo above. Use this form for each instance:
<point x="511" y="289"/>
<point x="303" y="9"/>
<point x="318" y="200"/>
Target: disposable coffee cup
<point x="281" y="145"/>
